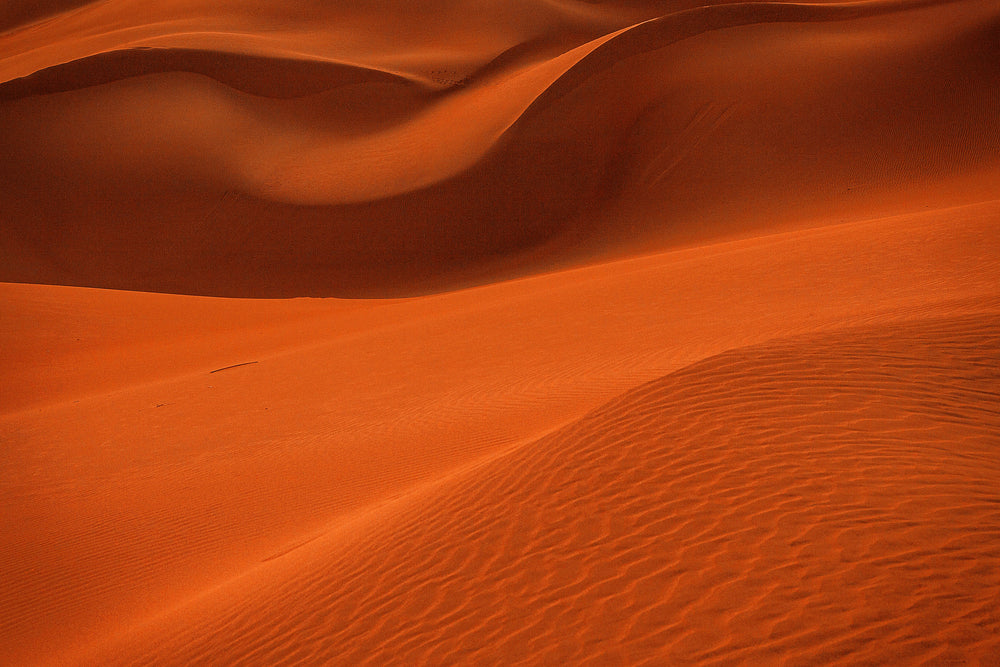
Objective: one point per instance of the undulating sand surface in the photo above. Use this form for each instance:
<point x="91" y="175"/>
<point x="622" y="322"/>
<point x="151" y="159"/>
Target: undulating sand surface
<point x="499" y="332"/>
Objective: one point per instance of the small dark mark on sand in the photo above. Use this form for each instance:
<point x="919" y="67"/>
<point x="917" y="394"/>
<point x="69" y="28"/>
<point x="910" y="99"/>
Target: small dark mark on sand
<point x="226" y="368"/>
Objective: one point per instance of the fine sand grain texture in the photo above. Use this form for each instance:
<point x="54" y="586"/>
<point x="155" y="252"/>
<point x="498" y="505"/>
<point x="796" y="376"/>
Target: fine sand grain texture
<point x="499" y="332"/>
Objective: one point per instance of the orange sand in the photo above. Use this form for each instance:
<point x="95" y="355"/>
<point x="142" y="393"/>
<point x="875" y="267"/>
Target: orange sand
<point x="674" y="333"/>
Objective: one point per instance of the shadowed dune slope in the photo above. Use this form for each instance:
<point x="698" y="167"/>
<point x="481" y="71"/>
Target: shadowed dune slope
<point x="826" y="499"/>
<point x="225" y="161"/>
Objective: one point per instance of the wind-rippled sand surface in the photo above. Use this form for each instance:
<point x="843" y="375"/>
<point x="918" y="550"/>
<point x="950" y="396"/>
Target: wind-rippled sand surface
<point x="649" y="332"/>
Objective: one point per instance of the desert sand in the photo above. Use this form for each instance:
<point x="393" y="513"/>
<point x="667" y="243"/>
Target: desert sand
<point x="499" y="332"/>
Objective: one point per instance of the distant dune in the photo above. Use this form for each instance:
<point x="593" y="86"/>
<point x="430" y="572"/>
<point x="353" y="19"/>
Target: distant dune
<point x="650" y="332"/>
<point x="218" y="150"/>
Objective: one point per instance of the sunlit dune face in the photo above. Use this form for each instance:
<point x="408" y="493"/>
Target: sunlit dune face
<point x="639" y="333"/>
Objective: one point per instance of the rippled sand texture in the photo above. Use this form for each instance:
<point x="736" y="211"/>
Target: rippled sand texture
<point x="651" y="332"/>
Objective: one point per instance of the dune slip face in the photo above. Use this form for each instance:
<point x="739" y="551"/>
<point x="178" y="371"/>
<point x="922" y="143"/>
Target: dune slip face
<point x="499" y="332"/>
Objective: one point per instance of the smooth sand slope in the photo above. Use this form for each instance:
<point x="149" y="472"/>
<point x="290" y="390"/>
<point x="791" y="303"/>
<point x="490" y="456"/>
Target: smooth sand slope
<point x="678" y="339"/>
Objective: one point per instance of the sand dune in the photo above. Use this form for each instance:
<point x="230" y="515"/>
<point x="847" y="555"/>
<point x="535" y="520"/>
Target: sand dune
<point x="161" y="479"/>
<point x="674" y="338"/>
<point x="452" y="178"/>
<point x="815" y="498"/>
